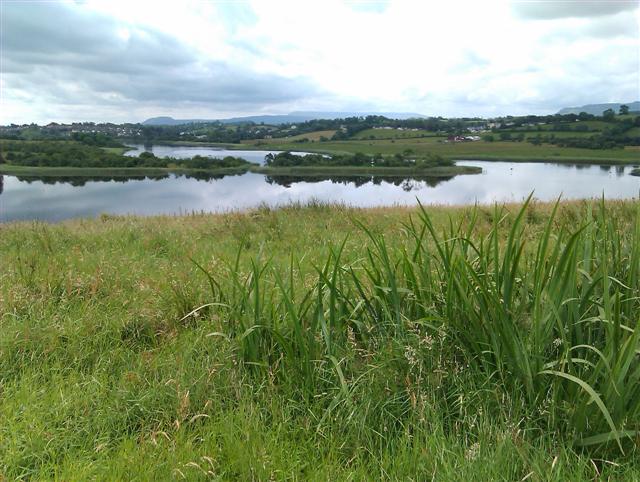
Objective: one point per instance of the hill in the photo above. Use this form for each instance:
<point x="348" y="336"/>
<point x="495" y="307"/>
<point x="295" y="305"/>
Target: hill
<point x="598" y="109"/>
<point x="293" y="117"/>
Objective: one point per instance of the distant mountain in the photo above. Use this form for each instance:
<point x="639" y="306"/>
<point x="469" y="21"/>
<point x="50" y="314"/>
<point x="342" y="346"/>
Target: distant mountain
<point x="293" y="117"/>
<point x="167" y="121"/>
<point x="598" y="109"/>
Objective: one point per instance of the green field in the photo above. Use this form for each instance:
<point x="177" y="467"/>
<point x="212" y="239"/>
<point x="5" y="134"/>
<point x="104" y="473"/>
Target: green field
<point x="592" y="125"/>
<point x="392" y="134"/>
<point x="391" y="141"/>
<point x="633" y="132"/>
<point x="560" y="134"/>
<point x="324" y="343"/>
<point x="479" y="150"/>
<point x="312" y="136"/>
<point x="117" y="150"/>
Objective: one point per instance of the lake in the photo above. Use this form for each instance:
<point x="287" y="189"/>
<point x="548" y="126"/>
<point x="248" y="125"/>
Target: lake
<point x="185" y="152"/>
<point x="56" y="199"/>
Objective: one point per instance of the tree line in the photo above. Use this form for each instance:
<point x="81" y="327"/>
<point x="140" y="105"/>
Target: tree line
<point x="77" y="154"/>
<point x="288" y="159"/>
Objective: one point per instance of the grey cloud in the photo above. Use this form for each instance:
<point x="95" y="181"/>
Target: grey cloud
<point x="620" y="25"/>
<point x="55" y="33"/>
<point x="64" y="53"/>
<point x="469" y="60"/>
<point x="547" y="10"/>
<point x="608" y="76"/>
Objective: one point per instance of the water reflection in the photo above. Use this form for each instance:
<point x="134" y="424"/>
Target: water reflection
<point x="79" y="181"/>
<point x="183" y="152"/>
<point x="53" y="199"/>
<point x="407" y="184"/>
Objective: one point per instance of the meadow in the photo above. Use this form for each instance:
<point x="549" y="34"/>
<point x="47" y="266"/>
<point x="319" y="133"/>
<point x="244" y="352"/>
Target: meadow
<point x="324" y="342"/>
<point x="478" y="150"/>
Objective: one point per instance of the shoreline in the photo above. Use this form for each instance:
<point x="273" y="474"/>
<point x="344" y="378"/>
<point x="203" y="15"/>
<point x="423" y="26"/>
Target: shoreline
<point x="308" y="147"/>
<point x="437" y="171"/>
<point x="541" y="206"/>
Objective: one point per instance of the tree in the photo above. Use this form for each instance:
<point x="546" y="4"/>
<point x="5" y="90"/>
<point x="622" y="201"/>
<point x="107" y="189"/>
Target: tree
<point x="624" y="109"/>
<point x="608" y="114"/>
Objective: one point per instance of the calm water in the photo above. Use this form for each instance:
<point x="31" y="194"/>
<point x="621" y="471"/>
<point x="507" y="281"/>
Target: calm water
<point x="184" y="152"/>
<point x="57" y="199"/>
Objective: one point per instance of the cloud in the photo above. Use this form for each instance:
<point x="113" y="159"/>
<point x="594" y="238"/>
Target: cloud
<point x="620" y="25"/>
<point x="369" y="6"/>
<point x="56" y="53"/>
<point x="117" y="61"/>
<point x="554" y="9"/>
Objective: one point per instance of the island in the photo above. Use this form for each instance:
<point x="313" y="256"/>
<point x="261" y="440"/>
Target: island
<point x="78" y="158"/>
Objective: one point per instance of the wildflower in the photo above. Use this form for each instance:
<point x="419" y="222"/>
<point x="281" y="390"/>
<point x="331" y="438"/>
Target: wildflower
<point x="473" y="452"/>
<point x="351" y="337"/>
<point x="411" y="356"/>
<point x="428" y="341"/>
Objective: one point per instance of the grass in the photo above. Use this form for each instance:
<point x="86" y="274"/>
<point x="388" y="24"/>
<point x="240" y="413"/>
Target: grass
<point x="633" y="132"/>
<point x="313" y="136"/>
<point x="324" y="342"/>
<point x="436" y="171"/>
<point x="558" y="134"/>
<point x="117" y="150"/>
<point x="36" y="171"/>
<point x="423" y="146"/>
<point x="393" y="134"/>
<point x="310" y="136"/>
<point x="479" y="150"/>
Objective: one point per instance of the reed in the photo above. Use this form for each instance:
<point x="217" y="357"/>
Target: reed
<point x="316" y="342"/>
<point x="550" y="319"/>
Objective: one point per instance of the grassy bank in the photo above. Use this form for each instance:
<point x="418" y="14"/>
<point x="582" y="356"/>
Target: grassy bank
<point x="118" y="150"/>
<point x="79" y="171"/>
<point x="436" y="171"/>
<point x="479" y="150"/>
<point x="324" y="342"/>
<point x="35" y="171"/>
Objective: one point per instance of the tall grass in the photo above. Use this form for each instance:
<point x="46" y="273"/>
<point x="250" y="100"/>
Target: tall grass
<point x="324" y="342"/>
<point x="548" y="320"/>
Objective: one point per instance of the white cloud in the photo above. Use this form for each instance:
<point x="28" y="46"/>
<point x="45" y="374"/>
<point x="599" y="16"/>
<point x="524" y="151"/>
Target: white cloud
<point x="438" y="58"/>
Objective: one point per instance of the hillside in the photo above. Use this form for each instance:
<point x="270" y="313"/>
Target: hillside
<point x="293" y="117"/>
<point x="598" y="109"/>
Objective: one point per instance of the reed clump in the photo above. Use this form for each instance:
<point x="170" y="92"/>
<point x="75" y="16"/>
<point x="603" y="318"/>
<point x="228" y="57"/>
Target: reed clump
<point x="316" y="342"/>
<point x="549" y="321"/>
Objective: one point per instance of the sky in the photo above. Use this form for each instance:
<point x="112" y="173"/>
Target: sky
<point x="126" y="61"/>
